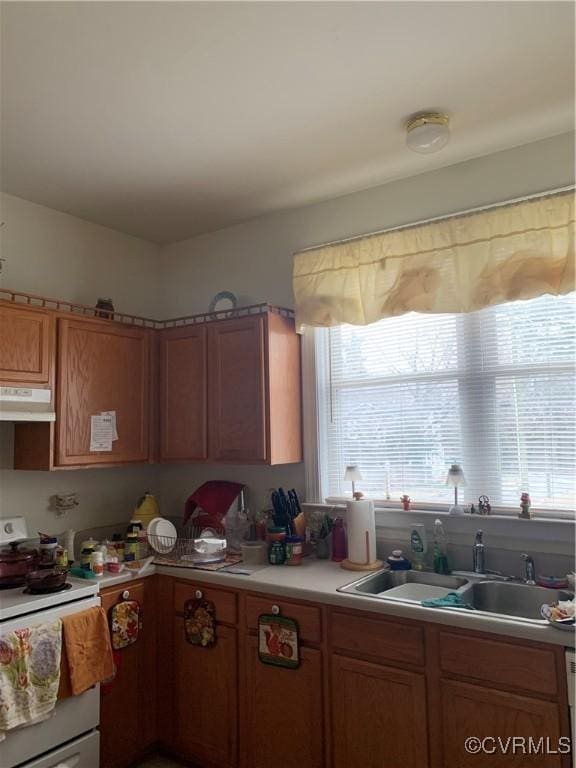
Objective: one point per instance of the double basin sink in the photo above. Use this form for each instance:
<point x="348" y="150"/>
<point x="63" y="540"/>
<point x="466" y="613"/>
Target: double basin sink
<point x="503" y="598"/>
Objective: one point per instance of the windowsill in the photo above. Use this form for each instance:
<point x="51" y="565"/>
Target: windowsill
<point x="441" y="511"/>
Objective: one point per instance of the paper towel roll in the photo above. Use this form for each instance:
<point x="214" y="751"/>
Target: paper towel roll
<point x="361" y="531"/>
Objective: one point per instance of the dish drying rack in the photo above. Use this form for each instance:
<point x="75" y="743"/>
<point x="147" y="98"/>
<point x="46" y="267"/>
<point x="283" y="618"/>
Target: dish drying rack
<point x="181" y="551"/>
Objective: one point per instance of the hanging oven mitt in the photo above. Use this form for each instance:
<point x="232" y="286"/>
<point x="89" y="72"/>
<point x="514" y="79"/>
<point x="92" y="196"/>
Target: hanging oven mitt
<point x="278" y="641"/>
<point x="200" y="622"/>
<point x="125" y="623"/>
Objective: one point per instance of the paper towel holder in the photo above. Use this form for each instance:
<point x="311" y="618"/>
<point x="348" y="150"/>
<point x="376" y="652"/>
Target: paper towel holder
<point x="361" y="538"/>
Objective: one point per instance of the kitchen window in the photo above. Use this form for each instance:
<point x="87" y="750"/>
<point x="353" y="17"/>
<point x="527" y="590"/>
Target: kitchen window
<point x="407" y="396"/>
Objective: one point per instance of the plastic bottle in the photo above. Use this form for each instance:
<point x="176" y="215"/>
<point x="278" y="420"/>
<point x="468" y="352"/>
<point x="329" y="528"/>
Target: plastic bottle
<point x="294" y="551"/>
<point x="338" y="541"/>
<point x="48" y="547"/>
<point x="131" y="550"/>
<point x="398" y="562"/>
<point x="98" y="563"/>
<point x="418" y="546"/>
<point x="440" y="554"/>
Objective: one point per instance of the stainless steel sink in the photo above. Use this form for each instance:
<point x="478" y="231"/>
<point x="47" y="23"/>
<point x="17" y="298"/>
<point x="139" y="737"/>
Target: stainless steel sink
<point x="377" y="584"/>
<point x="486" y="594"/>
<point x="511" y="599"/>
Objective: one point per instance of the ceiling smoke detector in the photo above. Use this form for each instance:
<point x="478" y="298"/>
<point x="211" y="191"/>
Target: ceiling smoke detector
<point x="428" y="132"/>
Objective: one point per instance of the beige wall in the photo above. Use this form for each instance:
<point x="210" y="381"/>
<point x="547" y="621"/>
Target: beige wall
<point x="60" y="256"/>
<point x="55" y="254"/>
<point x="254" y="260"/>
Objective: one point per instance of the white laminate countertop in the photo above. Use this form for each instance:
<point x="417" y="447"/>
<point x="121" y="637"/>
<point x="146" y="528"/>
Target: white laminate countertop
<point x="318" y="581"/>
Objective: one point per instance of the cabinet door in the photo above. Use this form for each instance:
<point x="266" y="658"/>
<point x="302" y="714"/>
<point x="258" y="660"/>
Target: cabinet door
<point x="26" y="345"/>
<point x="236" y="390"/>
<point x="472" y="710"/>
<point x="127" y="706"/>
<point x="282" y="713"/>
<point x="206" y="698"/>
<point x="102" y="366"/>
<point x="183" y="415"/>
<point x="378" y="716"/>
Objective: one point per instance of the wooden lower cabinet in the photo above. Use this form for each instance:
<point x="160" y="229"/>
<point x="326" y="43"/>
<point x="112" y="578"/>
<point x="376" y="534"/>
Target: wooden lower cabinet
<point x="128" y="705"/>
<point x="206" y="692"/>
<point x="371" y="691"/>
<point x="378" y="716"/>
<point x="281" y="712"/>
<point x="473" y="710"/>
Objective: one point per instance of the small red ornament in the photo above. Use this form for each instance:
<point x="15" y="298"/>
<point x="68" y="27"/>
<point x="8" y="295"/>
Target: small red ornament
<point x="405" y="502"/>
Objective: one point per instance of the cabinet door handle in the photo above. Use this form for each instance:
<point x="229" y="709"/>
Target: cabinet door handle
<point x="276" y="610"/>
<point x="126" y="594"/>
<point x="198" y="594"/>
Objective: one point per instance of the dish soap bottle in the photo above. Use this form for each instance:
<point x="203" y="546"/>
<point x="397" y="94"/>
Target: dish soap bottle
<point x="440" y="555"/>
<point x="418" y="546"/>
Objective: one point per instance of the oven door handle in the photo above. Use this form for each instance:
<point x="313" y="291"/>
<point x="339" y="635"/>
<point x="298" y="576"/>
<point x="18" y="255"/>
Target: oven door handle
<point x="70" y="762"/>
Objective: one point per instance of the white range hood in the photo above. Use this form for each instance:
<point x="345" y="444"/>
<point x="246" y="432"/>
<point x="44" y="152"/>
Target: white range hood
<point x="26" y="404"/>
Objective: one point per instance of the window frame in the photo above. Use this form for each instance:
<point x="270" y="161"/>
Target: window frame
<point x="314" y="346"/>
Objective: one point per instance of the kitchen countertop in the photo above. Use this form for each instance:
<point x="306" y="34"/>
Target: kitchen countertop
<point x="318" y="580"/>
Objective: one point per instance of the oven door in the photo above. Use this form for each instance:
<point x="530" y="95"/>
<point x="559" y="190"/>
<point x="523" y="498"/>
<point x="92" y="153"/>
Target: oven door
<point x="80" y="753"/>
<point x="72" y="717"/>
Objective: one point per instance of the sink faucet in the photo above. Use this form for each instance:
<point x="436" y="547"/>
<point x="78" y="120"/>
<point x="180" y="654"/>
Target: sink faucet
<point x="530" y="569"/>
<point x="479" y="554"/>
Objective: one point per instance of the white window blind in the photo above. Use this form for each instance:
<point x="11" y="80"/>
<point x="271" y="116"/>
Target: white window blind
<point x="493" y="390"/>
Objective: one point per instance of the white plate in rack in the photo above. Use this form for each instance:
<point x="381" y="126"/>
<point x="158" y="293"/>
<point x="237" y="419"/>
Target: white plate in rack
<point x="162" y="535"/>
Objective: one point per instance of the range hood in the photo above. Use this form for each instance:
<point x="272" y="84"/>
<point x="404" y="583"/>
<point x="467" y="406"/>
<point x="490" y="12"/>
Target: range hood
<point x="26" y="404"/>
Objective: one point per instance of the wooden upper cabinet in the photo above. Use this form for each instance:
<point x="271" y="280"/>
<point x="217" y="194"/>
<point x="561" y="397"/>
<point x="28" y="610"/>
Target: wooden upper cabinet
<point x="254" y="390"/>
<point x="26" y="346"/>
<point x="102" y="366"/>
<point x="237" y="397"/>
<point x="183" y="404"/>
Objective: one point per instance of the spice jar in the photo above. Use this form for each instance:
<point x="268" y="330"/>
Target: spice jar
<point x="131" y="548"/>
<point x="62" y="557"/>
<point x="48" y="547"/>
<point x="277" y="553"/>
<point x="86" y="558"/>
<point x="98" y="563"/>
<point x="294" y="552"/>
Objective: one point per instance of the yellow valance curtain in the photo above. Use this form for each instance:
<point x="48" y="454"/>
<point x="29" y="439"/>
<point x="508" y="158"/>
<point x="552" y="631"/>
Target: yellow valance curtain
<point x="458" y="264"/>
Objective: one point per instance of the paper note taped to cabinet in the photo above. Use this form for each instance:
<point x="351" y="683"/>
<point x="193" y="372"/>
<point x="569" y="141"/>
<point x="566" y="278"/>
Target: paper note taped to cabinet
<point x="112" y="415"/>
<point x="101" y="432"/>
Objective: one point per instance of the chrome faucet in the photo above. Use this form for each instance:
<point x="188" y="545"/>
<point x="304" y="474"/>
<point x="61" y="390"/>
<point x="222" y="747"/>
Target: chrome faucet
<point x="479" y="554"/>
<point x="530" y="569"/>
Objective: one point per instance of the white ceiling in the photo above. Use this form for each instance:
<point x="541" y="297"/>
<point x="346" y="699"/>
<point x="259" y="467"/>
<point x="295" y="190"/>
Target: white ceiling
<point x="166" y="120"/>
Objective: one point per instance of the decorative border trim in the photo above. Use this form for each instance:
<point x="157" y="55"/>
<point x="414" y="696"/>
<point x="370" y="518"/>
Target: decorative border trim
<point x="60" y="305"/>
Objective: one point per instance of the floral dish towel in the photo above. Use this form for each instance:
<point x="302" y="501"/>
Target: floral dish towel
<point x="29" y="675"/>
<point x="125" y="623"/>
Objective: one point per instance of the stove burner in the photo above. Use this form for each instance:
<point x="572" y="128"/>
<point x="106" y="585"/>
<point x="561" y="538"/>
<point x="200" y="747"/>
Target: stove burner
<point x="13" y="584"/>
<point x="49" y="591"/>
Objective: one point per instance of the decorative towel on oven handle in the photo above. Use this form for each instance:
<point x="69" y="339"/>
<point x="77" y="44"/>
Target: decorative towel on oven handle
<point x="29" y="674"/>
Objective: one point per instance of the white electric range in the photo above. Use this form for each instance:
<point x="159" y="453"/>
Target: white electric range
<point x="68" y="739"/>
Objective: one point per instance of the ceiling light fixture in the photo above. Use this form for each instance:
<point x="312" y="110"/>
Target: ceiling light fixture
<point x="428" y="132"/>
